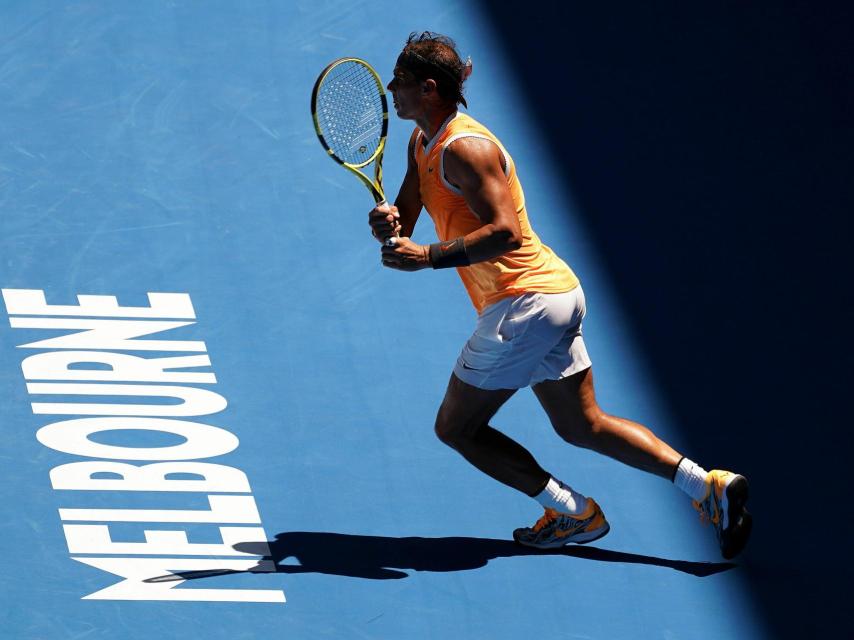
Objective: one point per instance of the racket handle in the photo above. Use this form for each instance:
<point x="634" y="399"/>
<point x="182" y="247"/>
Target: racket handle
<point x="391" y="240"/>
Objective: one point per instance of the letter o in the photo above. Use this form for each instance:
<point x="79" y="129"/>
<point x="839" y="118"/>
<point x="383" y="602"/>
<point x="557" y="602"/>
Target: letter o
<point x="72" y="436"/>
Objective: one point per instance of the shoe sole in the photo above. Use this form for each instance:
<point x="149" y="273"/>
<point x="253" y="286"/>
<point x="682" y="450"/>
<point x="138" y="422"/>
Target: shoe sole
<point x="740" y="520"/>
<point x="582" y="538"/>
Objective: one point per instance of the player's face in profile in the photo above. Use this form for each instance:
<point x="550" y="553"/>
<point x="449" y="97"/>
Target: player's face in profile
<point x="406" y="93"/>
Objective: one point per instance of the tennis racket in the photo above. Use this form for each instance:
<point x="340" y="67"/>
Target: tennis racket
<point x="350" y="112"/>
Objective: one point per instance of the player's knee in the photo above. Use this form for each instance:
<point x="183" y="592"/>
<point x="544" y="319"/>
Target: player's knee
<point x="574" y="434"/>
<point x="445" y="430"/>
<point x="450" y="430"/>
<point x="578" y="429"/>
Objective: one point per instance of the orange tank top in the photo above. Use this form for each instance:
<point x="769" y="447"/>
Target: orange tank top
<point x="533" y="267"/>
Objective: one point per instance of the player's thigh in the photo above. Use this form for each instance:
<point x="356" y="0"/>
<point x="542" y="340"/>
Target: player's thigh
<point x="466" y="407"/>
<point x="570" y="404"/>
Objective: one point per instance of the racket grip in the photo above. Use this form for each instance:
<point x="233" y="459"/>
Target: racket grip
<point x="391" y="240"/>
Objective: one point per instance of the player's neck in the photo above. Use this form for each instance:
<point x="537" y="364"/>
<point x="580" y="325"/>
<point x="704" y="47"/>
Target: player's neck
<point x="433" y="119"/>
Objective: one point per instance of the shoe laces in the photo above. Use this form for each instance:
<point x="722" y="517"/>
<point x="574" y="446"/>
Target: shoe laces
<point x="705" y="509"/>
<point x="704" y="518"/>
<point x="548" y="517"/>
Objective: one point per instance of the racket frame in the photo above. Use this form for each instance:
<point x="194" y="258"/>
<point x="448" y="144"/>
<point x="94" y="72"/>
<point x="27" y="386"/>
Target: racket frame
<point x="375" y="186"/>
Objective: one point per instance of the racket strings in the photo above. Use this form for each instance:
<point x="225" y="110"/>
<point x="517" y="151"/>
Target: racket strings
<point x="350" y="112"/>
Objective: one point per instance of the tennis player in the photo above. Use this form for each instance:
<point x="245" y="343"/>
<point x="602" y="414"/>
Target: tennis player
<point x="530" y="309"/>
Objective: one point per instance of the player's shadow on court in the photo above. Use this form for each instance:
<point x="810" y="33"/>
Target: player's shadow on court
<point x="381" y="558"/>
<point x="385" y="558"/>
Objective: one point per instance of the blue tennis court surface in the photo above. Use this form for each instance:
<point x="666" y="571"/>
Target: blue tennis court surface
<point x="278" y="476"/>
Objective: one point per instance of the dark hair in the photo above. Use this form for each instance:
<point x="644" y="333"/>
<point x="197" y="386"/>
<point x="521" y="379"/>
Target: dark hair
<point x="434" y="56"/>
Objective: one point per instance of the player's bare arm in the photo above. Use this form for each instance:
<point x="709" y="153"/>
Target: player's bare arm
<point x="475" y="166"/>
<point x="400" y="218"/>
<point x="408" y="201"/>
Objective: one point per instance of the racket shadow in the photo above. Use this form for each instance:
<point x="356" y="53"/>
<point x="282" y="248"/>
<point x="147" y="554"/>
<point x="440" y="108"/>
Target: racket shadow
<point x="388" y="558"/>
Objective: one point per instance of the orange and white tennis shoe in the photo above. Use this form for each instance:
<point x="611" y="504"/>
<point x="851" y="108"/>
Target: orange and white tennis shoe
<point x="556" y="529"/>
<point x="723" y="506"/>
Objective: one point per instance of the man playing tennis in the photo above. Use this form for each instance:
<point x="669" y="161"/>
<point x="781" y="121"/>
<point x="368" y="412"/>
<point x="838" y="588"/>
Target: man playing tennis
<point x="530" y="306"/>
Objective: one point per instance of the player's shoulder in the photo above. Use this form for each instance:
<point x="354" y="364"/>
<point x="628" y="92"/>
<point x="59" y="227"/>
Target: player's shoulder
<point x="471" y="148"/>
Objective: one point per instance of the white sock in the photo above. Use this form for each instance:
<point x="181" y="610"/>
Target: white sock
<point x="691" y="478"/>
<point x="562" y="498"/>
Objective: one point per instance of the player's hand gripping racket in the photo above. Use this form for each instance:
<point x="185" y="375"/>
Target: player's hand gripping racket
<point x="350" y="112"/>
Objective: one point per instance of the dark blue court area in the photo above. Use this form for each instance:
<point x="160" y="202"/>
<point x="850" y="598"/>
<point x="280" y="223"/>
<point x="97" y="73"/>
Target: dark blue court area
<point x="218" y="406"/>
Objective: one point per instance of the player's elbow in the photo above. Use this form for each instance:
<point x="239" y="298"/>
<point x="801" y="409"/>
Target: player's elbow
<point x="511" y="238"/>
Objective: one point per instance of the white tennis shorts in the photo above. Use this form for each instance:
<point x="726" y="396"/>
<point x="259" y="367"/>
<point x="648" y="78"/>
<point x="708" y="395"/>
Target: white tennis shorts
<point x="525" y="340"/>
